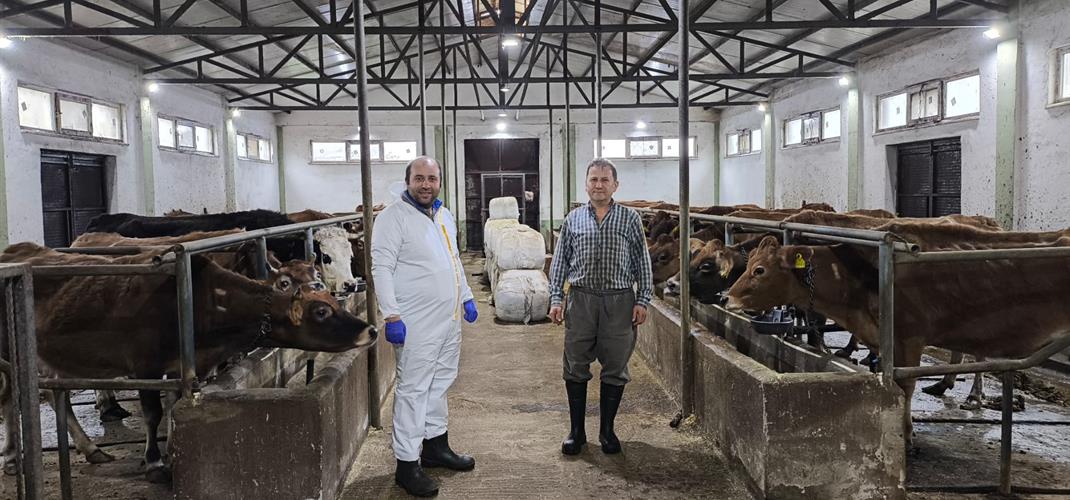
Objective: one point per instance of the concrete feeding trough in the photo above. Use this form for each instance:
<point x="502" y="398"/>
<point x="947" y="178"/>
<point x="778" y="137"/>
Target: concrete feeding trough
<point x="259" y="431"/>
<point x="798" y="424"/>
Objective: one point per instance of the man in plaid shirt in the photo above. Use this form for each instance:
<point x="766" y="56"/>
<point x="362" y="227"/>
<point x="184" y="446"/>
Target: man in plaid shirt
<point x="602" y="253"/>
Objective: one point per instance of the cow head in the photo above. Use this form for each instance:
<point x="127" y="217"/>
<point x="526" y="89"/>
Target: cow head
<point x="714" y="268"/>
<point x="295" y="273"/>
<point x="311" y="319"/>
<point x="770" y="278"/>
<point x="672" y="285"/>
<point x="664" y="258"/>
<point x="335" y="257"/>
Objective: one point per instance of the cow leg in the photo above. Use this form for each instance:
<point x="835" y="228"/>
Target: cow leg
<point x="908" y="354"/>
<point x="170" y="398"/>
<point x="152" y="411"/>
<point x="977" y="391"/>
<point x="849" y="349"/>
<point x="948" y="382"/>
<point x="109" y="408"/>
<point x="82" y="443"/>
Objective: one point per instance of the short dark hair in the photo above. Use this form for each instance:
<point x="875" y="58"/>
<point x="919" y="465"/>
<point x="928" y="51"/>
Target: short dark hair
<point x="408" y="168"/>
<point x="602" y="163"/>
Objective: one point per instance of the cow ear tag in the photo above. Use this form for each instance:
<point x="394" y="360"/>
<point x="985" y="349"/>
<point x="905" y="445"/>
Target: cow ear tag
<point x="800" y="262"/>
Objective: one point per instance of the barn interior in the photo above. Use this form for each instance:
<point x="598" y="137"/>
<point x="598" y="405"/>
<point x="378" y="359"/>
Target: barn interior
<point x="928" y="138"/>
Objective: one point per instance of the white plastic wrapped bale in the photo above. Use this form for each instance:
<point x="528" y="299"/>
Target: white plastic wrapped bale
<point x="491" y="230"/>
<point x="522" y="296"/>
<point x="520" y="248"/>
<point x="504" y="208"/>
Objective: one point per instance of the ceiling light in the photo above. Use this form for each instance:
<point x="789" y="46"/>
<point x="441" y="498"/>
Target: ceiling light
<point x="6" y="42"/>
<point x="505" y="89"/>
<point x="500" y="126"/>
<point x="235" y="113"/>
<point x="844" y="81"/>
<point x="502" y="114"/>
<point x="992" y="33"/>
<point x="761" y="107"/>
<point x="153" y="87"/>
<point x="511" y="41"/>
<point x="641" y="125"/>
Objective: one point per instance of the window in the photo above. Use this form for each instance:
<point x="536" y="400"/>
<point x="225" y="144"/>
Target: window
<point x="963" y="97"/>
<point x="375" y="149"/>
<point x="166" y="132"/>
<point x="1064" y="92"/>
<point x="107" y="121"/>
<point x="925" y="103"/>
<point x="793" y="132"/>
<point x="670" y="147"/>
<point x="265" y="149"/>
<point x="644" y="147"/>
<point x="242" y="144"/>
<point x="252" y="147"/>
<point x="830" y="125"/>
<point x="742" y="142"/>
<point x="612" y="148"/>
<point x="892" y="111"/>
<point x="811" y="129"/>
<point x="73" y="114"/>
<point x="185" y="135"/>
<point x="35" y="109"/>
<point x="399" y="151"/>
<point x="328" y="151"/>
<point x="205" y="141"/>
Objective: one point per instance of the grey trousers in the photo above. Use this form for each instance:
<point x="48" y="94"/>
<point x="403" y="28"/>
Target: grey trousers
<point x="598" y="325"/>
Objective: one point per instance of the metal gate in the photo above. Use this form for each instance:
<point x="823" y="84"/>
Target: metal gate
<point x="73" y="191"/>
<point x="499" y="185"/>
<point x="929" y="178"/>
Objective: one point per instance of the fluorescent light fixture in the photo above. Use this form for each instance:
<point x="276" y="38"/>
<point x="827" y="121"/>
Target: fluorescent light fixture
<point x="6" y="42"/>
<point x="154" y="87"/>
<point x="505" y="89"/>
<point x="761" y="107"/>
<point x="992" y="33"/>
<point x="502" y="114"/>
<point x="500" y="126"/>
<point x="235" y="113"/>
<point x="511" y="41"/>
<point x="844" y="81"/>
<point x="641" y="125"/>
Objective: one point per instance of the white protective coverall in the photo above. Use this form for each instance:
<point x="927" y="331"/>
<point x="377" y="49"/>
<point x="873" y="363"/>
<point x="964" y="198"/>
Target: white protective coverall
<point x="418" y="276"/>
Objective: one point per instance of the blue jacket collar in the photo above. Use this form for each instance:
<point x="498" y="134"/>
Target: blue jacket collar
<point x="429" y="211"/>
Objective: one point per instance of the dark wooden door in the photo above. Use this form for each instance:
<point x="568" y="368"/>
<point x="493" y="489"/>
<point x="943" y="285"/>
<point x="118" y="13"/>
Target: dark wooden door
<point x="499" y="167"/>
<point x="73" y="191"/>
<point x="929" y="178"/>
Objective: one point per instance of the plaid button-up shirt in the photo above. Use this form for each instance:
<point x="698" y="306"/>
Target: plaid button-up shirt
<point x="607" y="256"/>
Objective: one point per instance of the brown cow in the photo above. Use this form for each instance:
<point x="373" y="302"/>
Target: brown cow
<point x="960" y="306"/>
<point x="110" y="326"/>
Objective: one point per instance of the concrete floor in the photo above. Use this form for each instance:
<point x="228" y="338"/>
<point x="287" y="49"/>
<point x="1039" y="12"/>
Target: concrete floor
<point x="508" y="410"/>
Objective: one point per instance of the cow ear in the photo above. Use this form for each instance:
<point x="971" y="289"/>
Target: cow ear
<point x="769" y="242"/>
<point x="664" y="238"/>
<point x="297" y="309"/>
<point x="715" y="245"/>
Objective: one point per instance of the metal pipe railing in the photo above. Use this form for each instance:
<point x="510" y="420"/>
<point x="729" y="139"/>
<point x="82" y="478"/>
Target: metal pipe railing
<point x="996" y="365"/>
<point x="18" y="325"/>
<point x="227" y="240"/>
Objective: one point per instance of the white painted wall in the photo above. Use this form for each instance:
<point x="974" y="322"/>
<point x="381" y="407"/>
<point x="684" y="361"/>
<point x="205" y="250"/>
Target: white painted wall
<point x="257" y="182"/>
<point x="815" y="173"/>
<point x="45" y="64"/>
<point x="1042" y="177"/>
<point x="742" y="177"/>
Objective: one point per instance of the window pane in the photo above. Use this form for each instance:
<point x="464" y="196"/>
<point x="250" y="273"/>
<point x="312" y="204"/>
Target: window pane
<point x="242" y="143"/>
<point x="932" y="102"/>
<point x="74" y="115"/>
<point x="252" y="146"/>
<point x="963" y="96"/>
<point x="107" y="122"/>
<point x="924" y="104"/>
<point x="670" y="147"/>
<point x="644" y="148"/>
<point x="399" y="151"/>
<point x="185" y="136"/>
<point x="892" y="112"/>
<point x="35" y="109"/>
<point x="732" y="144"/>
<point x="830" y="127"/>
<point x="328" y="151"/>
<point x="613" y="148"/>
<point x="744" y="142"/>
<point x="374" y="149"/>
<point x="166" y="132"/>
<point x="265" y="150"/>
<point x="756" y="140"/>
<point x="1066" y="76"/>
<point x="204" y="139"/>
<point x="793" y="132"/>
<point x="811" y="128"/>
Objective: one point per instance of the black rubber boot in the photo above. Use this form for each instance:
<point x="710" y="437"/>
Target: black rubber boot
<point x="610" y="401"/>
<point x="413" y="480"/>
<point x="437" y="453"/>
<point x="577" y="407"/>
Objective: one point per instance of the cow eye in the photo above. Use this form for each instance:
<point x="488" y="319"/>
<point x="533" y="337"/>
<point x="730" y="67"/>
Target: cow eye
<point x="283" y="283"/>
<point x="322" y="312"/>
<point x="326" y="259"/>
<point x="758" y="271"/>
<point x="317" y="285"/>
<point x="706" y="266"/>
<point x="663" y="257"/>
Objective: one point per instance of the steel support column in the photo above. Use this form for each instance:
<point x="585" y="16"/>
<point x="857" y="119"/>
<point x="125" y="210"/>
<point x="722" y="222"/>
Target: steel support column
<point x="687" y="354"/>
<point x="1007" y="69"/>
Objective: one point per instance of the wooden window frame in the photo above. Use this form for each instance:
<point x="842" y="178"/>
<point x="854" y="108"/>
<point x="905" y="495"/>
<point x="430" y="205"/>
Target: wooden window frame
<point x="244" y="136"/>
<point x="739" y="145"/>
<point x="178" y="148"/>
<point x="819" y="115"/>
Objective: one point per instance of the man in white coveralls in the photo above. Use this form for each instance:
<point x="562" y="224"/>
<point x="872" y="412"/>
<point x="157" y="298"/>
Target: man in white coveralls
<point x="423" y="295"/>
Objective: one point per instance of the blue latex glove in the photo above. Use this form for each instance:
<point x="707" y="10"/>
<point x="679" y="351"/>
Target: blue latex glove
<point x="395" y="332"/>
<point x="470" y="312"/>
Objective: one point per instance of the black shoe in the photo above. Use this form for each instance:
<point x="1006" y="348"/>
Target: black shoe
<point x="437" y="453"/>
<point x="412" y="479"/>
<point x="577" y="407"/>
<point x="610" y="401"/>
